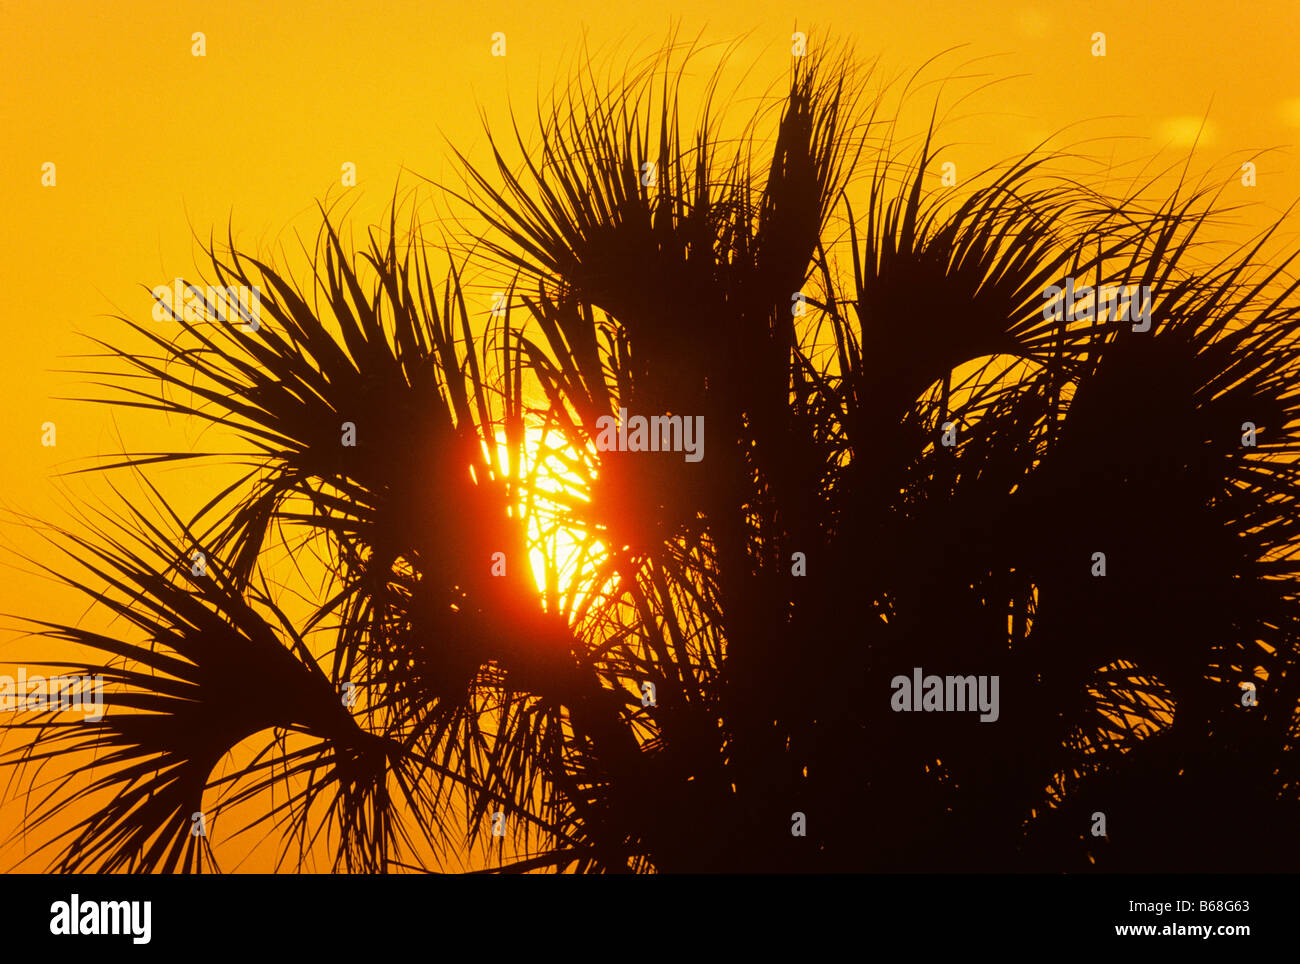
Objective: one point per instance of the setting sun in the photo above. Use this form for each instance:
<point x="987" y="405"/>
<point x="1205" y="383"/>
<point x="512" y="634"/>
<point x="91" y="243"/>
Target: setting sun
<point x="563" y="552"/>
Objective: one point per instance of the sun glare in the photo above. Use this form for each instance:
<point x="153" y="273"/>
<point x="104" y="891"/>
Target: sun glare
<point x="563" y="552"/>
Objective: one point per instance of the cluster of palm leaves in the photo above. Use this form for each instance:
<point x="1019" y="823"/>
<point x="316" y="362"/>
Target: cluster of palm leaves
<point x="828" y="541"/>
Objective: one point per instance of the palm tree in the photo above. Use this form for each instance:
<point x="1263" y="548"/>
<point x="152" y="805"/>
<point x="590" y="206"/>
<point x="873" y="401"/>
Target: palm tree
<point x="909" y="463"/>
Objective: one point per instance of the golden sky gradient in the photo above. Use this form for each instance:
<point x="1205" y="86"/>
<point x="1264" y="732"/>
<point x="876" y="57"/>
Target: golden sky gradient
<point x="154" y="145"/>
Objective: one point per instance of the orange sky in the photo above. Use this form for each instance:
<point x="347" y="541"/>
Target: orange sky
<point x="153" y="144"/>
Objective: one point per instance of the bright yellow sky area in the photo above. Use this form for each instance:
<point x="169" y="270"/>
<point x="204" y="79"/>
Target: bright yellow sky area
<point x="152" y="144"/>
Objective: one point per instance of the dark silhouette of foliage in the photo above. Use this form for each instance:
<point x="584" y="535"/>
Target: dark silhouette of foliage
<point x="478" y="693"/>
